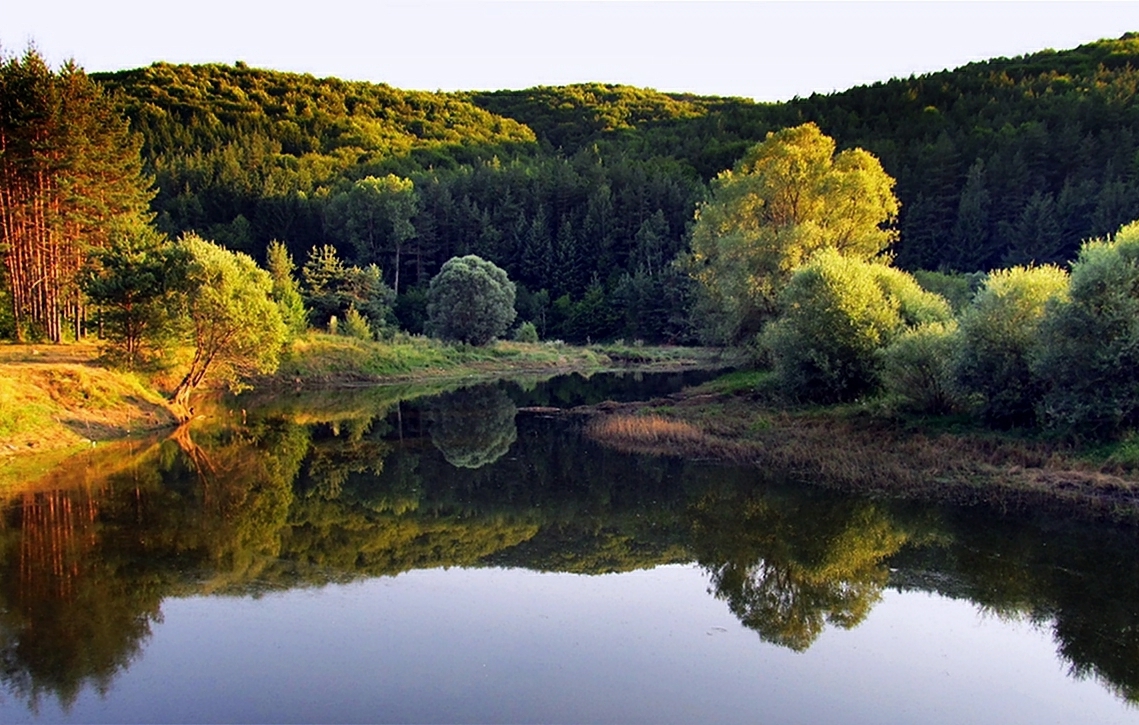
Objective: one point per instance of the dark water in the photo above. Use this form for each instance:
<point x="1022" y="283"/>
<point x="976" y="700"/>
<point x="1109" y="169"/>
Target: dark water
<point x="388" y="556"/>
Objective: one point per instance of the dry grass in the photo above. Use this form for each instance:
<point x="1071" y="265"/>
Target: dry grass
<point x="646" y="429"/>
<point x="656" y="435"/>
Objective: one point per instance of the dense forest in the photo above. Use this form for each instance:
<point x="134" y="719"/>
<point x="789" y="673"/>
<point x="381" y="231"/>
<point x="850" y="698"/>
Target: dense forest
<point x="584" y="194"/>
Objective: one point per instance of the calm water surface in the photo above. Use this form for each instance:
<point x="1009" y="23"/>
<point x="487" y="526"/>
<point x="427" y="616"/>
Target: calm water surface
<point x="387" y="555"/>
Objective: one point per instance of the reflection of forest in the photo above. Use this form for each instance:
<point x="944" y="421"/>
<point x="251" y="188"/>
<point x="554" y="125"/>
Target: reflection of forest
<point x="85" y="566"/>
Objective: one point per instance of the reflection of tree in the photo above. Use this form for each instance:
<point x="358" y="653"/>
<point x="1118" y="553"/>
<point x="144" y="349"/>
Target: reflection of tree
<point x="84" y="569"/>
<point x="787" y="569"/>
<point x="242" y="481"/>
<point x="348" y="450"/>
<point x="1083" y="578"/>
<point x="473" y="427"/>
<point x="68" y="616"/>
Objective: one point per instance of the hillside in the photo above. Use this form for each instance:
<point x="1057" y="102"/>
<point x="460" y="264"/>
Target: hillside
<point x="584" y="193"/>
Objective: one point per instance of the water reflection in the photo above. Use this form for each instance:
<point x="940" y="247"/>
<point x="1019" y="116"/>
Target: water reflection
<point x="787" y="565"/>
<point x="473" y="427"/>
<point x="305" y="496"/>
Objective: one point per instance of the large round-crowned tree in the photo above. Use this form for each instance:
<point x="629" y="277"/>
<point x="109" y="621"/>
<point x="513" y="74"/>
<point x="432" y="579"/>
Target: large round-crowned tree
<point x="471" y="300"/>
<point x="786" y="199"/>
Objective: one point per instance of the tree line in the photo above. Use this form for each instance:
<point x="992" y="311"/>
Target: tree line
<point x="585" y="194"/>
<point x="594" y="201"/>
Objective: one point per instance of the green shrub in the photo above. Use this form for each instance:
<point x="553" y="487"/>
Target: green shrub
<point x="996" y="333"/>
<point x="356" y="325"/>
<point x="957" y="288"/>
<point x="915" y="305"/>
<point x="837" y="313"/>
<point x="471" y="300"/>
<point x="916" y="367"/>
<point x="1087" y="354"/>
<point x="526" y="332"/>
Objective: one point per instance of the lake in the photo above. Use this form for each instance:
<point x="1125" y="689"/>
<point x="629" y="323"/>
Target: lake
<point x="412" y="554"/>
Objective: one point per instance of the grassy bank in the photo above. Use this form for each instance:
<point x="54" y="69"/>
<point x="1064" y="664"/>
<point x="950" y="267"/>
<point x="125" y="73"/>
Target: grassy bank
<point x="870" y="450"/>
<point x="323" y="360"/>
<point x="55" y="401"/>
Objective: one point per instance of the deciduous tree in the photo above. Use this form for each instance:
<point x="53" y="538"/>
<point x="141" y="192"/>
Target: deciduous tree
<point x="236" y="325"/>
<point x="789" y="197"/>
<point x="471" y="300"/>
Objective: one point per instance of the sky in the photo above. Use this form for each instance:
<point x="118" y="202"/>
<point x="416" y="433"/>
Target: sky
<point x="761" y="50"/>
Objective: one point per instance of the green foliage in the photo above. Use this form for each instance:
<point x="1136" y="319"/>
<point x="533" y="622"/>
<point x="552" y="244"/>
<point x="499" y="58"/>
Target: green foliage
<point x="526" y="332"/>
<point x="286" y="291"/>
<point x="236" y="326"/>
<point x="356" y="325"/>
<point x="331" y="289"/>
<point x="1010" y="159"/>
<point x="374" y="215"/>
<point x="470" y="300"/>
<point x="996" y="334"/>
<point x="957" y="288"/>
<point x="7" y="321"/>
<point x="838" y="312"/>
<point x="789" y="197"/>
<point x="1086" y="356"/>
<point x="916" y="367"/>
<point x="70" y="177"/>
<point x="323" y="276"/>
<point x="137" y="286"/>
<point x="915" y="305"/>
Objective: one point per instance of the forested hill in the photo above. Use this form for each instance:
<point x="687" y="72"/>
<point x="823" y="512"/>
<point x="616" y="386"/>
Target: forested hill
<point x="588" y="189"/>
<point x="1007" y="160"/>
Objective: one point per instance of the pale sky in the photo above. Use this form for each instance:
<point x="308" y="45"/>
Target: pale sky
<point x="766" y="51"/>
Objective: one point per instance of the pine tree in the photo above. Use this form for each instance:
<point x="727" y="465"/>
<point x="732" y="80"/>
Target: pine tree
<point x="70" y="177"/>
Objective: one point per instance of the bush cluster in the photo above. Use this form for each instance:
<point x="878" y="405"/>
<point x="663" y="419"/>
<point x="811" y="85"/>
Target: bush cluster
<point x="1036" y="345"/>
<point x="837" y="313"/>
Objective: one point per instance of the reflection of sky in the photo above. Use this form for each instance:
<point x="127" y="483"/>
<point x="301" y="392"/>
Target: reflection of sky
<point x="490" y="645"/>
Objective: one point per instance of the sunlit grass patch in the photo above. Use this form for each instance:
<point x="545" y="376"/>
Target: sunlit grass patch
<point x="639" y="354"/>
<point x="321" y="357"/>
<point x="645" y="429"/>
<point x="738" y="381"/>
<point x="45" y="406"/>
<point x="23" y="407"/>
<point x="657" y="435"/>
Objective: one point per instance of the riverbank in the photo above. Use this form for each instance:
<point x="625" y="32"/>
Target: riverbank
<point x="58" y="399"/>
<point x="871" y="451"/>
<point x="320" y="360"/>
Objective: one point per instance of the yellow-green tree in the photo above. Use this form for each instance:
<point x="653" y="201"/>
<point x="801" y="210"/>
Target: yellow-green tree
<point x="838" y="313"/>
<point x="789" y="197"/>
<point x="236" y="325"/>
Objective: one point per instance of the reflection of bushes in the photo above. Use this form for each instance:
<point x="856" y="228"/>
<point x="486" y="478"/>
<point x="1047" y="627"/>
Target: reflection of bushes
<point x="473" y="427"/>
<point x="787" y="570"/>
